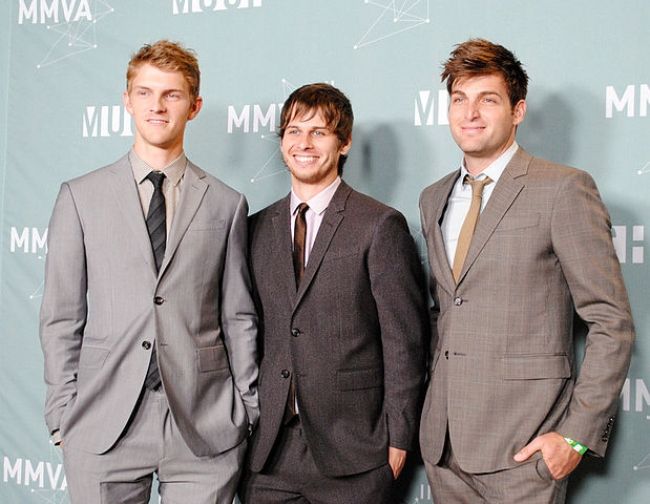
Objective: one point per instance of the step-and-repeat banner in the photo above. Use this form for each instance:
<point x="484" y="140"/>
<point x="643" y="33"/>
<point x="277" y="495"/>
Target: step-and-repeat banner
<point x="62" y="72"/>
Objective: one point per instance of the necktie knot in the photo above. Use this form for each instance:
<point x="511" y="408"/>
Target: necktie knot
<point x="302" y="208"/>
<point x="156" y="178"/>
<point x="477" y="185"/>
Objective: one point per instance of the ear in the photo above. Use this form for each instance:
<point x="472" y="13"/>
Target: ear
<point x="195" y="108"/>
<point x="345" y="148"/>
<point x="519" y="112"/>
<point x="126" y="99"/>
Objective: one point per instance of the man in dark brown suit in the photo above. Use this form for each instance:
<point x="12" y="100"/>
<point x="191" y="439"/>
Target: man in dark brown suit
<point x="341" y="302"/>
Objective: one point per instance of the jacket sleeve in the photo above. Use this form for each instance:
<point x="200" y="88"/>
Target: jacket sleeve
<point x="582" y="241"/>
<point x="238" y="317"/>
<point x="64" y="307"/>
<point x="397" y="284"/>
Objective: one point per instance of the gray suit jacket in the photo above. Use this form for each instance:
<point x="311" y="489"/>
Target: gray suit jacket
<point x="103" y="300"/>
<point x="351" y="336"/>
<point x="503" y="368"/>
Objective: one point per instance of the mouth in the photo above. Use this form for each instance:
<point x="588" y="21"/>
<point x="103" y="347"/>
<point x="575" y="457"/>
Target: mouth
<point x="157" y="122"/>
<point x="305" y="159"/>
<point x="472" y="129"/>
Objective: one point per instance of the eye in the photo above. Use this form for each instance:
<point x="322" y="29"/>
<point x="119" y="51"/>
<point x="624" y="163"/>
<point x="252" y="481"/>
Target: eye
<point x="319" y="133"/>
<point x="174" y="96"/>
<point x="292" y="131"/>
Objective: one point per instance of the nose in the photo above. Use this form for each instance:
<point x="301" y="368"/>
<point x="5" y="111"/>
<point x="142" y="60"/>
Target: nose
<point x="305" y="140"/>
<point x="472" y="110"/>
<point x="157" y="104"/>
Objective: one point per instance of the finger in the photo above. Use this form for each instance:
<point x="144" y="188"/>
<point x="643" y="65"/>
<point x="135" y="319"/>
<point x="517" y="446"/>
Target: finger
<point x="528" y="450"/>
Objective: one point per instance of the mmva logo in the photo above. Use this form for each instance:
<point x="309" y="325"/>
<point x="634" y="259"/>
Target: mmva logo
<point x="253" y="118"/>
<point x="30" y="240"/>
<point x="53" y="11"/>
<point x="27" y="473"/>
<point x="623" y="246"/>
<point x="106" y="121"/>
<point x="424" y="113"/>
<point x="193" y="6"/>
<point x="633" y="98"/>
<point x="635" y="396"/>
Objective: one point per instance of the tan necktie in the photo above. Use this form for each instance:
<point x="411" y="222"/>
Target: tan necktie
<point x="469" y="225"/>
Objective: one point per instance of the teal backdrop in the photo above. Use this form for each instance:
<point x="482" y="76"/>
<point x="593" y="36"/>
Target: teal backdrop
<point x="62" y="73"/>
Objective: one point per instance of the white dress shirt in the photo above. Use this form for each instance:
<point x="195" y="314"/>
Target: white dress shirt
<point x="314" y="215"/>
<point x="460" y="199"/>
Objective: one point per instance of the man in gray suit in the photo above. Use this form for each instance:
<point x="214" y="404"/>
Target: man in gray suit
<point x="507" y="417"/>
<point x="341" y="302"/>
<point x="147" y="325"/>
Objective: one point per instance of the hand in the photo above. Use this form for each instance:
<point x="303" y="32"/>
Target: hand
<point x="559" y="456"/>
<point x="396" y="460"/>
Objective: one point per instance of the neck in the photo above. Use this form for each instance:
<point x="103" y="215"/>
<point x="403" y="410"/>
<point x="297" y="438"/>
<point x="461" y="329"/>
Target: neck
<point x="156" y="157"/>
<point x="305" y="192"/>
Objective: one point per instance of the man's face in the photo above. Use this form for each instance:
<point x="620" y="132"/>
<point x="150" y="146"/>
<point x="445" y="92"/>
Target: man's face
<point x="161" y="105"/>
<point x="482" y="121"/>
<point x="311" y="150"/>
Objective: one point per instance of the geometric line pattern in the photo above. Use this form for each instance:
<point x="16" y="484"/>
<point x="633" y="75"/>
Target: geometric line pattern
<point x="396" y="16"/>
<point x="75" y="37"/>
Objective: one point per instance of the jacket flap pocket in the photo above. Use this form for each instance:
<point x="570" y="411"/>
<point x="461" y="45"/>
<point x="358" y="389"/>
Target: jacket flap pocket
<point x="536" y="367"/>
<point x="212" y="358"/>
<point x="92" y="356"/>
<point x="357" y="379"/>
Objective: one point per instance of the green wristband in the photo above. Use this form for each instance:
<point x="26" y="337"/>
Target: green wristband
<point x="579" y="447"/>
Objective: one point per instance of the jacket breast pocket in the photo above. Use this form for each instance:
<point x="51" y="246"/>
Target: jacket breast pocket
<point x="359" y="379"/>
<point x="207" y="225"/>
<point x="515" y="223"/>
<point x="212" y="358"/>
<point x="536" y="367"/>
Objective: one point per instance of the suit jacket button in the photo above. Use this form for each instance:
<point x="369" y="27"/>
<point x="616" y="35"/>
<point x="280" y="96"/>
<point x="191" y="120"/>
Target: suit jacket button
<point x="285" y="373"/>
<point x="447" y="354"/>
<point x="458" y="301"/>
<point x="295" y="332"/>
<point x="158" y="300"/>
<point x="146" y="345"/>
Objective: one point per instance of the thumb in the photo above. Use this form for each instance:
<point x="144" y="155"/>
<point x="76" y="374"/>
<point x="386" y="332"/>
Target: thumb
<point x="527" y="451"/>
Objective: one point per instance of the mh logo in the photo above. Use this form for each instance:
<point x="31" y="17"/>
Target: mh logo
<point x="622" y="245"/>
<point x="30" y="240"/>
<point x="106" y="121"/>
<point x="194" y="6"/>
<point x="53" y="11"/>
<point x="253" y="118"/>
<point x="635" y="396"/>
<point x="633" y="98"/>
<point x="424" y="113"/>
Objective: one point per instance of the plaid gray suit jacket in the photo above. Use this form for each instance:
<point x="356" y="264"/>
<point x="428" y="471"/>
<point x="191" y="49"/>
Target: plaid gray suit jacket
<point x="503" y="370"/>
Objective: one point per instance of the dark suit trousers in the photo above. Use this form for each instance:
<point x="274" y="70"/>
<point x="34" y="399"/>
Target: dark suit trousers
<point x="291" y="476"/>
<point x="529" y="482"/>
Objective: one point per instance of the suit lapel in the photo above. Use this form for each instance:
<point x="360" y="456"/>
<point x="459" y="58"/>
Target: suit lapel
<point x="438" y="261"/>
<point x="331" y="220"/>
<point x="505" y="192"/>
<point x="282" y="247"/>
<point x="127" y="199"/>
<point x="194" y="188"/>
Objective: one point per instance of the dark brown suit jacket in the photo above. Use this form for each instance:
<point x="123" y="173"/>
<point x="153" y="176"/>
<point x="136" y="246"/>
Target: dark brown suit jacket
<point x="351" y="336"/>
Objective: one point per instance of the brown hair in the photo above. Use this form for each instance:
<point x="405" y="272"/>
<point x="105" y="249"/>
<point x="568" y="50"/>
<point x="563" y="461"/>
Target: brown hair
<point x="477" y="57"/>
<point x="330" y="102"/>
<point x="168" y="56"/>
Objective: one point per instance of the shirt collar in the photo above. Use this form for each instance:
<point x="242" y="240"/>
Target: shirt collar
<point x="496" y="168"/>
<point x="173" y="171"/>
<point x="318" y="203"/>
